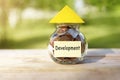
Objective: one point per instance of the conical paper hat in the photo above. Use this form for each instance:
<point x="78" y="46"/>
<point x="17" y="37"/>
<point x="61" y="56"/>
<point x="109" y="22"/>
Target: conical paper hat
<point x="66" y="15"/>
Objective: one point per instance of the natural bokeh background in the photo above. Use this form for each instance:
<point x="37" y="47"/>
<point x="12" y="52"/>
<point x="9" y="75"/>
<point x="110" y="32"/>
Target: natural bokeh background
<point x="24" y="23"/>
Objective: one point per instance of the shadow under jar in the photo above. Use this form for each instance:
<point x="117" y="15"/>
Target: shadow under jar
<point x="68" y="32"/>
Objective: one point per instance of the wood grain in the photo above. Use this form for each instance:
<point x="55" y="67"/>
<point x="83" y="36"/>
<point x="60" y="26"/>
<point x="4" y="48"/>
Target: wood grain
<point x="99" y="64"/>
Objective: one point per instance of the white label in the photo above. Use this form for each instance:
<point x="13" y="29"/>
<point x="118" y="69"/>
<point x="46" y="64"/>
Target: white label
<point x="67" y="49"/>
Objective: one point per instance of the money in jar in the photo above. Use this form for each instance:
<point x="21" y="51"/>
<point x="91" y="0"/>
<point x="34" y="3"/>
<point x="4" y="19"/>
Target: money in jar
<point x="67" y="44"/>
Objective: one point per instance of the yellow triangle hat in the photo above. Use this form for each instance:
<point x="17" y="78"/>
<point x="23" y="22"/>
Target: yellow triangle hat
<point x="66" y="15"/>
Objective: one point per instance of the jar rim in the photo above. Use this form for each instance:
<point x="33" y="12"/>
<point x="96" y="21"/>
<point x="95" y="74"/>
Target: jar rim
<point x="68" y="25"/>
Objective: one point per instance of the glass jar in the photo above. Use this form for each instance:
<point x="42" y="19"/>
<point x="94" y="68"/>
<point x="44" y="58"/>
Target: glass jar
<point x="67" y="33"/>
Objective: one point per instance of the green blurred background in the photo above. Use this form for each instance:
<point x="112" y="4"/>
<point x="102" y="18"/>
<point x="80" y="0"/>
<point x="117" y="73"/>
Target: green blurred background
<point x="24" y="23"/>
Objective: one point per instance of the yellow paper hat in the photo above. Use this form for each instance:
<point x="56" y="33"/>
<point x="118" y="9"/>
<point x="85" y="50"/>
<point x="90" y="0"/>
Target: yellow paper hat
<point x="66" y="15"/>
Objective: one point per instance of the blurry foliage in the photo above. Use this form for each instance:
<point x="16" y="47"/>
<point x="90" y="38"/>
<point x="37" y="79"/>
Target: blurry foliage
<point x="31" y="34"/>
<point x="21" y="4"/>
<point x="106" y="5"/>
<point x="50" y="4"/>
<point x="40" y="4"/>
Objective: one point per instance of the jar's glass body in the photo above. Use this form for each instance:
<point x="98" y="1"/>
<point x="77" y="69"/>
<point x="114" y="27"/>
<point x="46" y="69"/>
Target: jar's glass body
<point x="68" y="32"/>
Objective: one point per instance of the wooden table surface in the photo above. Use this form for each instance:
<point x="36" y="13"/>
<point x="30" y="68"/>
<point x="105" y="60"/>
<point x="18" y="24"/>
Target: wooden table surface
<point x="99" y="64"/>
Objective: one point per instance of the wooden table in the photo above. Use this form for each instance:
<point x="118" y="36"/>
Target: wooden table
<point x="99" y="64"/>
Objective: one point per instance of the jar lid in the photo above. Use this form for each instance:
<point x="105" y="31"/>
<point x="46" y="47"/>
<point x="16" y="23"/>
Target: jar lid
<point x="66" y="15"/>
